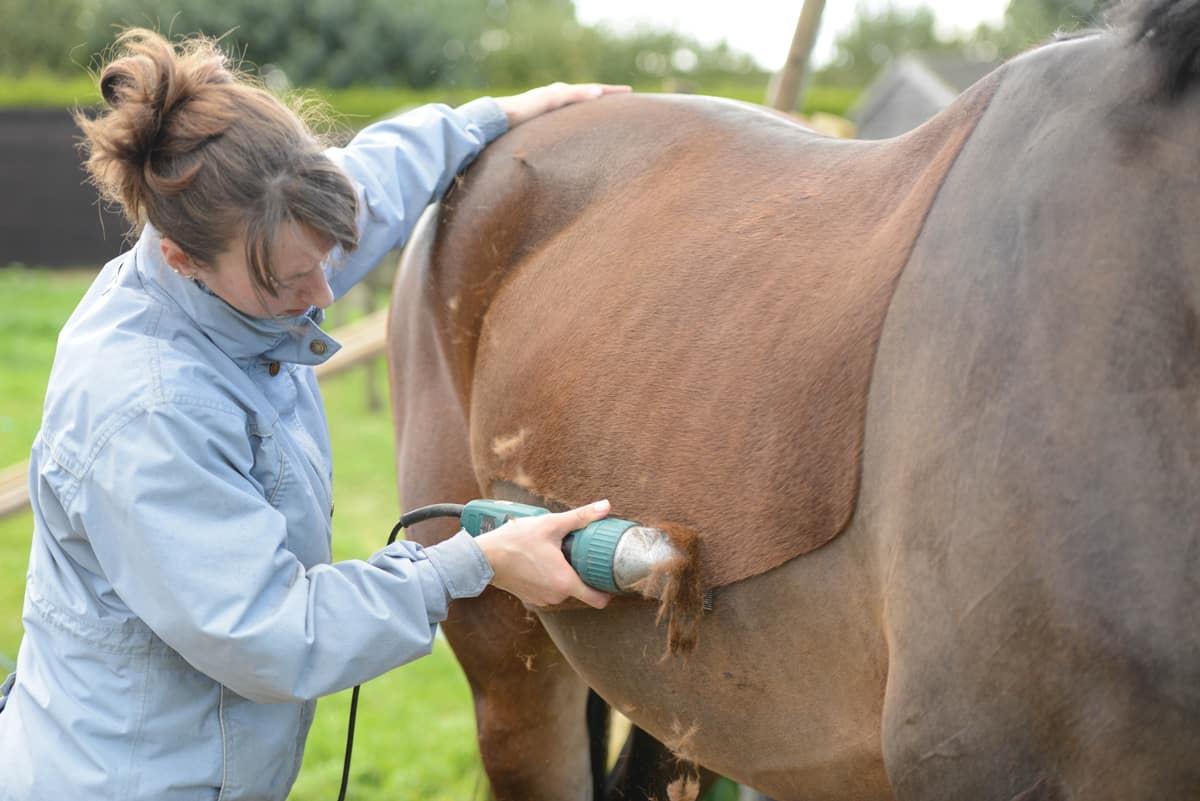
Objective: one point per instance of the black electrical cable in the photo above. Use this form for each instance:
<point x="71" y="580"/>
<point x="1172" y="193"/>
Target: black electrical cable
<point x="418" y="515"/>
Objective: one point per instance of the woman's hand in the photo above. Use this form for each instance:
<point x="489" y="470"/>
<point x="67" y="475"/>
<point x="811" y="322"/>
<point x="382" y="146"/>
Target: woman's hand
<point x="526" y="555"/>
<point x="527" y="105"/>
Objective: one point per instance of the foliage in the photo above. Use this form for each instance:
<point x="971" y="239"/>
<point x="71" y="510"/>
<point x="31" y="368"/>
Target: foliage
<point x="1028" y="23"/>
<point x="46" y="35"/>
<point x="876" y="37"/>
<point x="340" y="43"/>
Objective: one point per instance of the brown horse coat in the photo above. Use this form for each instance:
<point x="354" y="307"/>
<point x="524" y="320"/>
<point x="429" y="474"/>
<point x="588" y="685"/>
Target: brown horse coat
<point x="744" y="342"/>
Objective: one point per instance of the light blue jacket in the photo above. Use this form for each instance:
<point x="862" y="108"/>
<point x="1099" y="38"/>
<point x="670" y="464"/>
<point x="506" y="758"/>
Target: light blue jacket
<point x="181" y="612"/>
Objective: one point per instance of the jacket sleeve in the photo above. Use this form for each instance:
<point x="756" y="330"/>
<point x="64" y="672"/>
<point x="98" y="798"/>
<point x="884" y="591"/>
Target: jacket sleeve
<point x="399" y="166"/>
<point x="189" y="543"/>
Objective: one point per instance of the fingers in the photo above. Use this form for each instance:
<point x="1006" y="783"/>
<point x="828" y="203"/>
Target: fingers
<point x="587" y="91"/>
<point x="579" y="517"/>
<point x="592" y="597"/>
<point x="573" y="520"/>
<point x="613" y="89"/>
<point x="527" y="561"/>
<point x="527" y="105"/>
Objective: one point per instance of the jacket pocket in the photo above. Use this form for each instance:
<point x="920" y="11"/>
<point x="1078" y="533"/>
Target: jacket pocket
<point x="262" y="747"/>
<point x="267" y="470"/>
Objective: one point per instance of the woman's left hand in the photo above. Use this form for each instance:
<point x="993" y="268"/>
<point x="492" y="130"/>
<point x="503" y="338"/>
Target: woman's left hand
<point x="527" y="105"/>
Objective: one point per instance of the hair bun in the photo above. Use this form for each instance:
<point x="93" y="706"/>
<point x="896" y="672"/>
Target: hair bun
<point x="162" y="112"/>
<point x="110" y="85"/>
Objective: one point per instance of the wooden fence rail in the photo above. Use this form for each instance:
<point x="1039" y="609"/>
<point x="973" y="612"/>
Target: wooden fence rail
<point x="361" y="340"/>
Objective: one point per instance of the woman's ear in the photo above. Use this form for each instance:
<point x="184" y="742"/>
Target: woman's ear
<point x="176" y="259"/>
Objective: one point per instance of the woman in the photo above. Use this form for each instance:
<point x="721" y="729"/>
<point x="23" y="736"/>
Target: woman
<point x="181" y="611"/>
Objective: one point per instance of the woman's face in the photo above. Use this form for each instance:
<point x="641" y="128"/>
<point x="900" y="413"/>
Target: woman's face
<point x="298" y="274"/>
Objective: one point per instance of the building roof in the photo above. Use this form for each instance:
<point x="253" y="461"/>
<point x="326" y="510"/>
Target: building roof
<point x="911" y="89"/>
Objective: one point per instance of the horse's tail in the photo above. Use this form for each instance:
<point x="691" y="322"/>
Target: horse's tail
<point x="1172" y="28"/>
<point x="597" y="727"/>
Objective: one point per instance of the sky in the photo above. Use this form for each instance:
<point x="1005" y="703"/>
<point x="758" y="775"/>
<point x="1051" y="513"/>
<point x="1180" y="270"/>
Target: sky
<point x="764" y="28"/>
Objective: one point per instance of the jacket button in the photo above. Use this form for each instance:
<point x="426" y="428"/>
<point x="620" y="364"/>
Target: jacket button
<point x="273" y="368"/>
<point x="318" y="347"/>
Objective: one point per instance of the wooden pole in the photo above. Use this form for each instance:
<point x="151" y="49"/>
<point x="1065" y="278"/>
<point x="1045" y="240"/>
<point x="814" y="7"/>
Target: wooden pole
<point x="370" y="374"/>
<point x="787" y="91"/>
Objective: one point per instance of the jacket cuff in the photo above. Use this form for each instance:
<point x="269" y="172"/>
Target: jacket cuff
<point x="461" y="564"/>
<point x="486" y="114"/>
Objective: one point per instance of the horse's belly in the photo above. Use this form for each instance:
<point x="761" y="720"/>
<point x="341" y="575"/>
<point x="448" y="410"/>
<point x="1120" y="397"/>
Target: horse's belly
<point x="784" y="690"/>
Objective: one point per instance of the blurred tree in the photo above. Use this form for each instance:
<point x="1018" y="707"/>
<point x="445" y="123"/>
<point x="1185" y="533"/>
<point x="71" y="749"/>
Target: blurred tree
<point x="876" y="37"/>
<point x="44" y="35"/>
<point x="414" y="43"/>
<point x="1028" y="23"/>
<point x="331" y="42"/>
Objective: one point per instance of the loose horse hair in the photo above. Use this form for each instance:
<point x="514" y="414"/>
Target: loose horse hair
<point x="1172" y="29"/>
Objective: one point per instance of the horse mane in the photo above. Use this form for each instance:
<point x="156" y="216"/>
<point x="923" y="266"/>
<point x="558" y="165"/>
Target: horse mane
<point x="1172" y="29"/>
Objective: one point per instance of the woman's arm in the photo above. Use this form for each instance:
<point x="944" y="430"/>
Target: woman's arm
<point x="190" y="545"/>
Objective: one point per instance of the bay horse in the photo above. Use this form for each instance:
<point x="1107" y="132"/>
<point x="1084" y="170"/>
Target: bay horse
<point x="930" y="408"/>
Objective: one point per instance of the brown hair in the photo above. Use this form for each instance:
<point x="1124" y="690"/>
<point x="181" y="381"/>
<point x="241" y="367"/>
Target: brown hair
<point x="204" y="154"/>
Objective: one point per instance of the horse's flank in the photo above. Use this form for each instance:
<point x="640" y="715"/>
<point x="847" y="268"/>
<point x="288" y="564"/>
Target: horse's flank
<point x="726" y="287"/>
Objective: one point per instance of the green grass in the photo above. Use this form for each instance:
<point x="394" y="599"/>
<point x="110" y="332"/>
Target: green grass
<point x="43" y="90"/>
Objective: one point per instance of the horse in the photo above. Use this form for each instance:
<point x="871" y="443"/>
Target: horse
<point x="927" y="408"/>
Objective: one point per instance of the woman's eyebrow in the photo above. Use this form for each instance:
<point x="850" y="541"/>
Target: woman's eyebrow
<point x="280" y="279"/>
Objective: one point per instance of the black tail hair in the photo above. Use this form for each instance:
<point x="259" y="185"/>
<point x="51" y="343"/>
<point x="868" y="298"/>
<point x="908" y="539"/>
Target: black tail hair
<point x="597" y="728"/>
<point x="1172" y="28"/>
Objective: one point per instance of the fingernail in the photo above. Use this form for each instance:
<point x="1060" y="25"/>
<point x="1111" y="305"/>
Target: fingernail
<point x="597" y="91"/>
<point x="600" y="506"/>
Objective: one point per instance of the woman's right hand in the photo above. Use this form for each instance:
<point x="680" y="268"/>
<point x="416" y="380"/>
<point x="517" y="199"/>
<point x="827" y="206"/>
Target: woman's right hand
<point x="526" y="556"/>
<point x="527" y="105"/>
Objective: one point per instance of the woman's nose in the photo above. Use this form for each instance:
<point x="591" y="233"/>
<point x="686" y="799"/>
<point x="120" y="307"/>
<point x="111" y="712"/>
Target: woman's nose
<point x="318" y="292"/>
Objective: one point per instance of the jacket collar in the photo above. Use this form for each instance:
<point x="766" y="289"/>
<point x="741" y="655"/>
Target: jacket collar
<point x="293" y="339"/>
